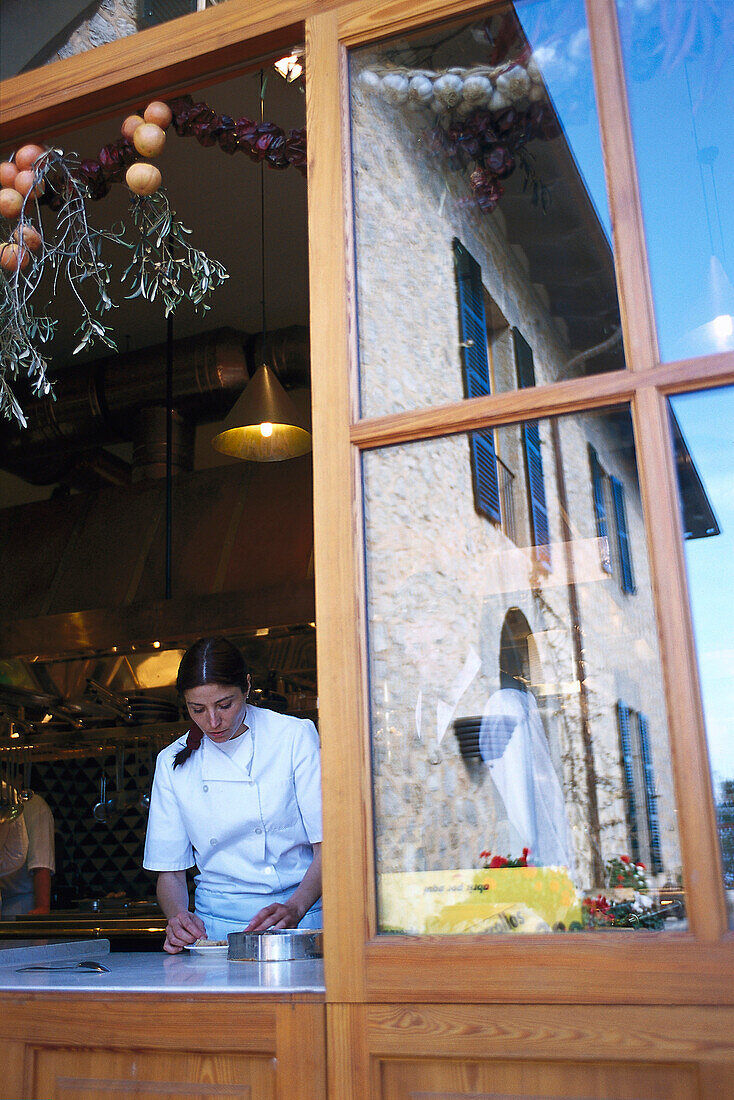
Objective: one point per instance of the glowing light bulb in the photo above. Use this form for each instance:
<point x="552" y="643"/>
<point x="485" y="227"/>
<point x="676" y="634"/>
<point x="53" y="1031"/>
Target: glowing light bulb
<point x="266" y="429"/>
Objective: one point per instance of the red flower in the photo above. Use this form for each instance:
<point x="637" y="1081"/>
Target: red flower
<point x="620" y="878"/>
<point x="485" y="854"/>
<point x="625" y="859"/>
<point x="640" y="865"/>
<point x="497" y="861"/>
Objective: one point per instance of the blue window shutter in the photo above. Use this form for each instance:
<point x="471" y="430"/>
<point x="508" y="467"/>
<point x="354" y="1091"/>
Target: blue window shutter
<point x="473" y="333"/>
<point x="533" y="457"/>
<point x="650" y="795"/>
<point x="623" y="542"/>
<point x="625" y="738"/>
<point x="536" y="488"/>
<point x="600" y="511"/>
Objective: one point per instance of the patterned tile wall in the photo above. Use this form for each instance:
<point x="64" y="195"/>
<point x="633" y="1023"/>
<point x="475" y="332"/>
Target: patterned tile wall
<point x="96" y="858"/>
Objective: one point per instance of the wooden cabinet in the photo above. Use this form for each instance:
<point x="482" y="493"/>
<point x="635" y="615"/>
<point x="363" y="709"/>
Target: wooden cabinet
<point x="495" y="1052"/>
<point x="155" y="1048"/>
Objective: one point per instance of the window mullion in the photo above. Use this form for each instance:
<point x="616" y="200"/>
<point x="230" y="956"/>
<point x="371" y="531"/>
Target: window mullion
<point x="630" y="250"/>
<point x="691" y="772"/>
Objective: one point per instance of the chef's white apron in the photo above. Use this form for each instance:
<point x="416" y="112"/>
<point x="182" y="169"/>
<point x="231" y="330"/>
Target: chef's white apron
<point x="235" y="911"/>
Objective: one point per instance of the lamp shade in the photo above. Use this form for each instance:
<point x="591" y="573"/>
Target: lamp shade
<point x="264" y="424"/>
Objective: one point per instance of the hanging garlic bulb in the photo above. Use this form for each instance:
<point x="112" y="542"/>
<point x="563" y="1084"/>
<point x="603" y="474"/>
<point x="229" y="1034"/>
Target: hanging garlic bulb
<point x="477" y="89"/>
<point x="394" y="88"/>
<point x="449" y="89"/>
<point x="536" y="93"/>
<point x="420" y="89"/>
<point x="369" y="81"/>
<point x="498" y="102"/>
<point x="533" y="71"/>
<point x="438" y="107"/>
<point x="514" y="84"/>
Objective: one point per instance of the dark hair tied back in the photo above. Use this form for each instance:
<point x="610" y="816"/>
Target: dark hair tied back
<point x="208" y="661"/>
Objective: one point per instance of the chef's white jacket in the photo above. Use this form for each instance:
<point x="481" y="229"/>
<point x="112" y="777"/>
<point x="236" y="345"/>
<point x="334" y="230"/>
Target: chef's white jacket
<point x="17" y="889"/>
<point x="247" y="821"/>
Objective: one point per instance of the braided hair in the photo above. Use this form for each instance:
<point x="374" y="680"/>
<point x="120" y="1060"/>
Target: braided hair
<point x="208" y="661"/>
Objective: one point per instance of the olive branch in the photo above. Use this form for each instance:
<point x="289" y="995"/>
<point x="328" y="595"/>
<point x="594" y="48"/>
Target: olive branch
<point x="163" y="255"/>
<point x="164" y="264"/>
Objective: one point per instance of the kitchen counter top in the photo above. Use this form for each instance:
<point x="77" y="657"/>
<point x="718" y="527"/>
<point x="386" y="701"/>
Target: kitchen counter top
<point x="159" y="973"/>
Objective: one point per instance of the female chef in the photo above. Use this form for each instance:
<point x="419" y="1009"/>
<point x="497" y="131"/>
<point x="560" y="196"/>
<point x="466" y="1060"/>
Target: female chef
<point x="239" y="797"/>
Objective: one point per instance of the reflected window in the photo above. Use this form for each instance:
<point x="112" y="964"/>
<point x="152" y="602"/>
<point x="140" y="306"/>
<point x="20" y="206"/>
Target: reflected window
<point x="610" y="514"/>
<point x="702" y="430"/>
<point x="640" y="791"/>
<point x="484" y="134"/>
<point x="680" y="84"/>
<point x="521" y="762"/>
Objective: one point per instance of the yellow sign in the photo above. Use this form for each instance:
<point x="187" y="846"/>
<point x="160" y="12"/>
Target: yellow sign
<point x="510" y="899"/>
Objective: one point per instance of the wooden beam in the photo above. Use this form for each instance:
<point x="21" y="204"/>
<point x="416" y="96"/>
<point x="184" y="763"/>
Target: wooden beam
<point x="164" y="60"/>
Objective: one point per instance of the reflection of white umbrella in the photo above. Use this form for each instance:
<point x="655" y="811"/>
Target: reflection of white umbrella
<point x="513" y="745"/>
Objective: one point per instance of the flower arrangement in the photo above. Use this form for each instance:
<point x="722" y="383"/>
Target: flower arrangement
<point x="639" y="912"/>
<point x="622" y="871"/>
<point x="492" y="863"/>
<point x="596" y="912"/>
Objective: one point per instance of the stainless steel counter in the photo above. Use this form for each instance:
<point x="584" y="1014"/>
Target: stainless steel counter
<point x="157" y="972"/>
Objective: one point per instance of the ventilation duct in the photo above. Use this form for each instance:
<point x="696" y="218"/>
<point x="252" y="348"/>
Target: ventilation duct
<point x="112" y="400"/>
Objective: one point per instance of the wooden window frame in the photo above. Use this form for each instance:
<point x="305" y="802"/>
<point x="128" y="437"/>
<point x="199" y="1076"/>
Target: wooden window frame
<point x="664" y="968"/>
<point x="693" y="967"/>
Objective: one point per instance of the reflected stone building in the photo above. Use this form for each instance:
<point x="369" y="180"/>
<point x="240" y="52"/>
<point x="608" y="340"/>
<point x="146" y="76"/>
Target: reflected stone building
<point x="514" y="558"/>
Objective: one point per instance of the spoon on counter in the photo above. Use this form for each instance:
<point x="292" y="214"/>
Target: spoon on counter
<point x="86" y="964"/>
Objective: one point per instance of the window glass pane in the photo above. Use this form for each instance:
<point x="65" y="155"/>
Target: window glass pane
<point x="517" y="710"/>
<point x="703" y="434"/>
<point x="480" y="208"/>
<point x="75" y="26"/>
<point x="680" y="82"/>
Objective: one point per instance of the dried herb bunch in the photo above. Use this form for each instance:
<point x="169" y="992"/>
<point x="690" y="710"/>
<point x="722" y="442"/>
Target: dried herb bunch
<point x="73" y="251"/>
<point x="59" y="242"/>
<point x="163" y="257"/>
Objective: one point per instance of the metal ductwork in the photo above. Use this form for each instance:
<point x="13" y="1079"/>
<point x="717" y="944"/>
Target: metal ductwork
<point x="122" y="398"/>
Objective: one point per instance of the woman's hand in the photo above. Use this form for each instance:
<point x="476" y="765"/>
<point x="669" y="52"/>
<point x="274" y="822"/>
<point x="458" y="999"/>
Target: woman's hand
<point x="183" y="929"/>
<point x="286" y="915"/>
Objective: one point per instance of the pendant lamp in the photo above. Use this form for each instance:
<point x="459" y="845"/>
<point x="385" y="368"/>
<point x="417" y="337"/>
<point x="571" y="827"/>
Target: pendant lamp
<point x="264" y="424"/>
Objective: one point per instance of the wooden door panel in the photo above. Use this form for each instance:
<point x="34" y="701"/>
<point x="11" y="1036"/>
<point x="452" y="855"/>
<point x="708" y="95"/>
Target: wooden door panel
<point x="514" y="1080"/>
<point x="113" y="1075"/>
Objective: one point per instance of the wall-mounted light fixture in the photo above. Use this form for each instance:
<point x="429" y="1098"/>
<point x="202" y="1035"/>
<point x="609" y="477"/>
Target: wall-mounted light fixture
<point x="290" y="67"/>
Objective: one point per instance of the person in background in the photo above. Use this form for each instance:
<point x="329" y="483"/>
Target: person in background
<point x="27" y="890"/>
<point x="239" y="797"/>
